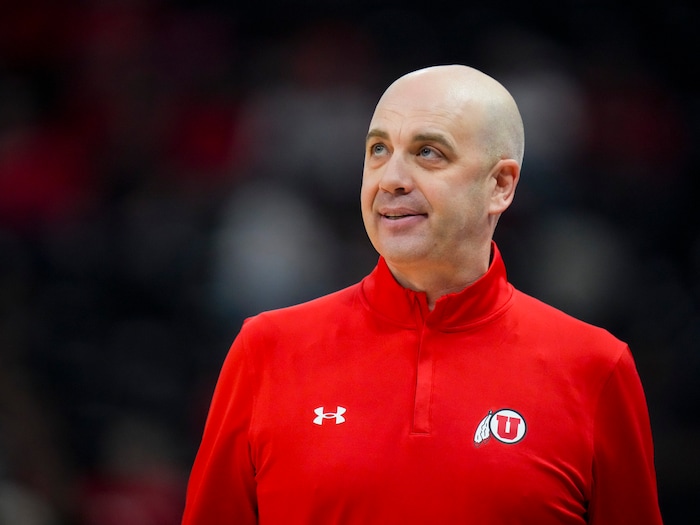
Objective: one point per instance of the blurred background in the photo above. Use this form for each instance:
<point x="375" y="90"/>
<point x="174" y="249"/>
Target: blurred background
<point x="168" y="168"/>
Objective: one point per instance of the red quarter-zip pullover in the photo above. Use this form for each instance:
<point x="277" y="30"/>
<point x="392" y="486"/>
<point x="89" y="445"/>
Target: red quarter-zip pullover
<point x="363" y="407"/>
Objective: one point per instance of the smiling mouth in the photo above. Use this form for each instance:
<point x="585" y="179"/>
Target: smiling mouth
<point x="392" y="217"/>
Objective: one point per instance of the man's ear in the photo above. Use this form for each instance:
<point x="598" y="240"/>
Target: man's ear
<point x="506" y="174"/>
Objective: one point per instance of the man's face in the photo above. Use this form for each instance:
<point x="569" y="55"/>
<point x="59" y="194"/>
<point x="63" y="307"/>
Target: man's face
<point x="426" y="183"/>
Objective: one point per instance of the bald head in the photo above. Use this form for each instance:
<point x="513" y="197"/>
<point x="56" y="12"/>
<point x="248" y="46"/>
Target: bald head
<point x="467" y="91"/>
<point x="442" y="161"/>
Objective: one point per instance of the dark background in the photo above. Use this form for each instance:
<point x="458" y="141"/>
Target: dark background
<point x="168" y="168"/>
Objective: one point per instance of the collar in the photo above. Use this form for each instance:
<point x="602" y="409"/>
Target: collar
<point x="484" y="299"/>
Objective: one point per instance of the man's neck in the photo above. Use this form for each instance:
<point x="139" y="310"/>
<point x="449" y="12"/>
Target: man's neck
<point x="440" y="278"/>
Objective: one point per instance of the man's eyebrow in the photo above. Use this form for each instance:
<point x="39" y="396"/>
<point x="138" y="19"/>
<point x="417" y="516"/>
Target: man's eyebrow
<point x="376" y="133"/>
<point x="434" y="137"/>
<point x="419" y="137"/>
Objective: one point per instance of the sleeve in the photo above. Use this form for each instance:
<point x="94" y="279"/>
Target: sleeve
<point x="624" y="478"/>
<point x="221" y="487"/>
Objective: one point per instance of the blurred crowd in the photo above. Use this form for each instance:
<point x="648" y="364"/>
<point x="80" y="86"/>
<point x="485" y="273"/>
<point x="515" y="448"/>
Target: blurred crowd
<point x="168" y="168"/>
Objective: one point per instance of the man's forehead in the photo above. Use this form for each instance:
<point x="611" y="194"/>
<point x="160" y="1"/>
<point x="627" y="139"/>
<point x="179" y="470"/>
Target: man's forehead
<point x="391" y="121"/>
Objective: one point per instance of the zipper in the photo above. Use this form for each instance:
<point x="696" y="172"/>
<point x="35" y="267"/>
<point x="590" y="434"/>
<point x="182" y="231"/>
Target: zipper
<point x="422" y="405"/>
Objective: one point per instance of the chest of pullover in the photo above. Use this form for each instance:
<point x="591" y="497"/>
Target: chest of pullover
<point x="466" y="311"/>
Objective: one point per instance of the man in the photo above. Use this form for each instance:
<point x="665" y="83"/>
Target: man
<point x="431" y="392"/>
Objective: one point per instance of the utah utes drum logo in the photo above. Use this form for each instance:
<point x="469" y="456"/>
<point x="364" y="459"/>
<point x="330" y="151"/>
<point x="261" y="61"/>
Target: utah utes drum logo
<point x="506" y="425"/>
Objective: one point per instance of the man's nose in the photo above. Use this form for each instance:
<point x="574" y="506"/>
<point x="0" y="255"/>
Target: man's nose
<point x="396" y="176"/>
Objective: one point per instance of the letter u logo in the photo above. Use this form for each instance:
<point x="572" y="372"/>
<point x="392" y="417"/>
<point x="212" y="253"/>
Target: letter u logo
<point x="508" y="426"/>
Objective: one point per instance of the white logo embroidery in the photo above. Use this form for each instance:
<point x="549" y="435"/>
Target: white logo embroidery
<point x="506" y="425"/>
<point x="482" y="431"/>
<point x="321" y="414"/>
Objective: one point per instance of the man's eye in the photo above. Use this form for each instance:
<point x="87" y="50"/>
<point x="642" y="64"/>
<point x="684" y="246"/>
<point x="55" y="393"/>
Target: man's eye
<point x="427" y="152"/>
<point x="378" y="149"/>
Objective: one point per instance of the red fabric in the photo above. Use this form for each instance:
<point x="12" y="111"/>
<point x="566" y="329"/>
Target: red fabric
<point x="362" y="407"/>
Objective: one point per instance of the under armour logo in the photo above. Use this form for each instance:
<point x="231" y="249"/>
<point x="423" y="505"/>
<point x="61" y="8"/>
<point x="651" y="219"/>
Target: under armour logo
<point x="321" y="414"/>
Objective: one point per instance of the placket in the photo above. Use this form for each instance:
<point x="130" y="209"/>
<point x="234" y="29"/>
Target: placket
<point x="424" y="385"/>
<point x="422" y="406"/>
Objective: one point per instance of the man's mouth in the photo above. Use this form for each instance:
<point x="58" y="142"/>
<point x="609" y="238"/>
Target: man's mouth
<point x="393" y="217"/>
